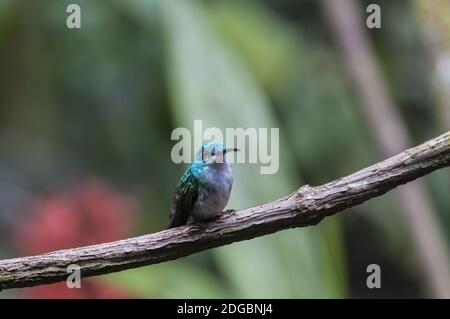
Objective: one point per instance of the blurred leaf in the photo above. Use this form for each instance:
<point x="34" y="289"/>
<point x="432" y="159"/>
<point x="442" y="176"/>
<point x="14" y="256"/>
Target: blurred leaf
<point x="170" y="280"/>
<point x="208" y="81"/>
<point x="267" y="44"/>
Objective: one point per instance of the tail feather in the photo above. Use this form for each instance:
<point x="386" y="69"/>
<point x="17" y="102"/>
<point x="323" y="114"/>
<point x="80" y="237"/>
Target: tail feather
<point x="177" y="219"/>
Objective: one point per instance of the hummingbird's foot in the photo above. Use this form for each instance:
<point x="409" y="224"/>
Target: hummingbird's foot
<point x="230" y="211"/>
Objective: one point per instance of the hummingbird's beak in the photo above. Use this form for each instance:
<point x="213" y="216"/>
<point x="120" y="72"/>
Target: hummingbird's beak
<point x="228" y="150"/>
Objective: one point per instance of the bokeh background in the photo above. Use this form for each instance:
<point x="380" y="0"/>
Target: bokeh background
<point x="86" y="118"/>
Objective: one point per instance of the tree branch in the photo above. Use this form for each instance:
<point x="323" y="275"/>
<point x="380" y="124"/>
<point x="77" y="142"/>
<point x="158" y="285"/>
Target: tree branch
<point x="307" y="206"/>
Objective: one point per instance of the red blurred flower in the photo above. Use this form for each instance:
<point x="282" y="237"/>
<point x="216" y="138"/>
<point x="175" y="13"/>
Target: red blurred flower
<point x="85" y="214"/>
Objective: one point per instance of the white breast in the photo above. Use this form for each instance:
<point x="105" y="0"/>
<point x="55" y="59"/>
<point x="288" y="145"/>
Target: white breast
<point x="212" y="200"/>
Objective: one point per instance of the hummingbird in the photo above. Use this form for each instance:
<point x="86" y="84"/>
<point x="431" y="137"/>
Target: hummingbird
<point x="205" y="187"/>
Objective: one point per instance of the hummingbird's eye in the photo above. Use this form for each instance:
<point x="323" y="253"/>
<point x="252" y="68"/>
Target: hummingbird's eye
<point x="213" y="151"/>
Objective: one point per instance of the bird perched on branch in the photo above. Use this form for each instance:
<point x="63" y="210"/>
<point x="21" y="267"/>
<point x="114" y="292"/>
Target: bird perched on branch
<point x="204" y="188"/>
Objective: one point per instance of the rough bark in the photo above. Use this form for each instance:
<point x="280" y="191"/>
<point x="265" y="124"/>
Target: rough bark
<point x="306" y="206"/>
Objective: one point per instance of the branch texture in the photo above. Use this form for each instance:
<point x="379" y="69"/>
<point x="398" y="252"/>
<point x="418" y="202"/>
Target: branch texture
<point x="306" y="206"/>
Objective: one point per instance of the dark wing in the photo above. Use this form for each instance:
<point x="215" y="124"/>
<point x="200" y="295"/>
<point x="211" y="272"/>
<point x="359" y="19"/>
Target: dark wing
<point x="183" y="200"/>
